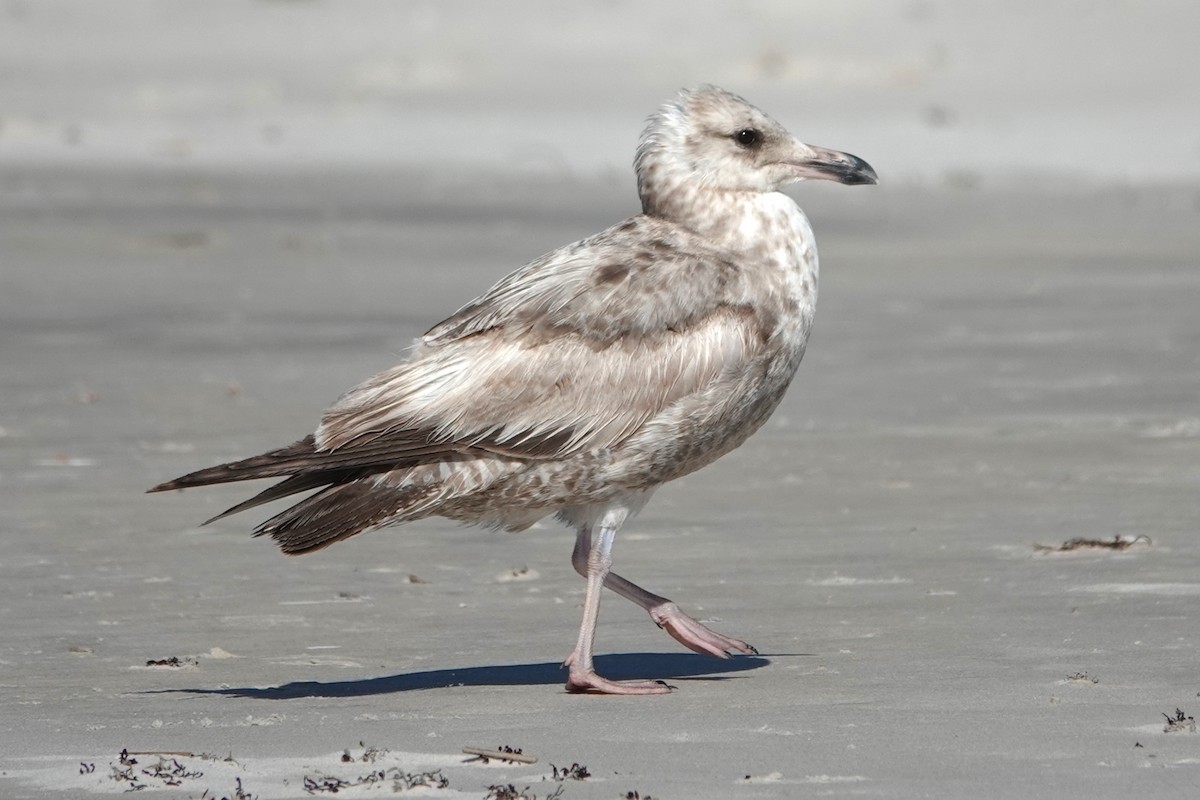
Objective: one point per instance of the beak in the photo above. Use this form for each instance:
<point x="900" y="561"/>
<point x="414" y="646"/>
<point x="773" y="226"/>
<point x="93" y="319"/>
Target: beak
<point x="819" y="163"/>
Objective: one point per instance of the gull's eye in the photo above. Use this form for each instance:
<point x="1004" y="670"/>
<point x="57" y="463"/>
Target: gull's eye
<point x="748" y="138"/>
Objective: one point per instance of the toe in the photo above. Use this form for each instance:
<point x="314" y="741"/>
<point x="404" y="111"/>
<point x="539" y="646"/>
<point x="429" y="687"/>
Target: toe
<point x="591" y="683"/>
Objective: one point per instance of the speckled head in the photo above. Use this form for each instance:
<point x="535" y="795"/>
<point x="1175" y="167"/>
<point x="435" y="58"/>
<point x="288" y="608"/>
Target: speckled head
<point x="712" y="139"/>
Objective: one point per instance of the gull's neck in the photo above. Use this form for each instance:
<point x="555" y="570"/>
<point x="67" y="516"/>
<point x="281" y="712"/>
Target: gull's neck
<point x="736" y="221"/>
<point x="765" y="232"/>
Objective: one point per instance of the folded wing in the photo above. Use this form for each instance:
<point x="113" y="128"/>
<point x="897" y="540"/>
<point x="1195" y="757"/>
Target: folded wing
<point x="576" y="351"/>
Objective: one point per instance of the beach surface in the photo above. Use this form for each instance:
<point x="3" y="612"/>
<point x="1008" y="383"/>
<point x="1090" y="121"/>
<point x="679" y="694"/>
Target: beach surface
<point x="966" y="546"/>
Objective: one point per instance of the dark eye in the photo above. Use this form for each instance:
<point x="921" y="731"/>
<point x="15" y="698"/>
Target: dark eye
<point x="748" y="138"/>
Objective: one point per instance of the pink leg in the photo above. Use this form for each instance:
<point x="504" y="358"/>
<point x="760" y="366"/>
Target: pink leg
<point x="582" y="676"/>
<point x="684" y="629"/>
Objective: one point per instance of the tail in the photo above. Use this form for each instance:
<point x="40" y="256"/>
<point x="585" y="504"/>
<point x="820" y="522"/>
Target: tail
<point x="350" y="501"/>
<point x="341" y="511"/>
<point x="361" y="487"/>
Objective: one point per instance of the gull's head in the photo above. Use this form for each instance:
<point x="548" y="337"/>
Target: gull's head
<point x="708" y="137"/>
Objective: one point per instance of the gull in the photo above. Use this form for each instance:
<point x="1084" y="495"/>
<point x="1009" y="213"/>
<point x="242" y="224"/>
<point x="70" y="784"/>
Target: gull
<point x="586" y="379"/>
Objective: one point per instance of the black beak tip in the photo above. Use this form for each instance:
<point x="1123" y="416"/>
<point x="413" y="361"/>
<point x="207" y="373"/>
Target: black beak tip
<point x="858" y="173"/>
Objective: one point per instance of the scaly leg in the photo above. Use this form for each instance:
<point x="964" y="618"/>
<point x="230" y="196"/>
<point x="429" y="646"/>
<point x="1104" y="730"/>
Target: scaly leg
<point x="684" y="629"/>
<point x="582" y="676"/>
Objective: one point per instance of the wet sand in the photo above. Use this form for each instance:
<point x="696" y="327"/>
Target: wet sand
<point x="992" y="371"/>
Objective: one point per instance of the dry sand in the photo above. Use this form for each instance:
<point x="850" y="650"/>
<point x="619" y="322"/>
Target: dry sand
<point x="991" y="372"/>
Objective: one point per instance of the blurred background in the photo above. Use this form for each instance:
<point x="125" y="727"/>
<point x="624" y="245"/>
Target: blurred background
<point x="928" y="90"/>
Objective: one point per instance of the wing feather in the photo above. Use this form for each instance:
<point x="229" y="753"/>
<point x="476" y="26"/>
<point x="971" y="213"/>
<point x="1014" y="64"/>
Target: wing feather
<point x="577" y="350"/>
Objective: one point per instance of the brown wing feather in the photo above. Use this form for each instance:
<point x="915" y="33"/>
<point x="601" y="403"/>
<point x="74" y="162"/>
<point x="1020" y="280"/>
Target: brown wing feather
<point x="337" y="513"/>
<point x="283" y="461"/>
<point x="300" y="482"/>
<point x="394" y="449"/>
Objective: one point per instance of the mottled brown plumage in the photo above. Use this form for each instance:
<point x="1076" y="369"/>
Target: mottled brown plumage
<point x="584" y="380"/>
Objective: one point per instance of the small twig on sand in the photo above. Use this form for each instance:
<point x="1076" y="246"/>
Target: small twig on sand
<point x="1084" y="543"/>
<point x="506" y="754"/>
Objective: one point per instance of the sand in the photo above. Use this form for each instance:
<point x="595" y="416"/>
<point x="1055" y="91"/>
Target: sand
<point x="199" y="252"/>
<point x="991" y="373"/>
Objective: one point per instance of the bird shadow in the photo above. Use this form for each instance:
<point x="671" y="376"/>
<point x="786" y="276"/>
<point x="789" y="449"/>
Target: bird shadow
<point x="621" y="666"/>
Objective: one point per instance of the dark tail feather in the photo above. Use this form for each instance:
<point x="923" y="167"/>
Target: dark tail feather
<point x="284" y="461"/>
<point x="337" y="513"/>
<point x="289" y="486"/>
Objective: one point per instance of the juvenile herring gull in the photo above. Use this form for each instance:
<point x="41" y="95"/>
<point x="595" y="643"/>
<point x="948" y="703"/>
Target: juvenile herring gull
<point x="583" y="381"/>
